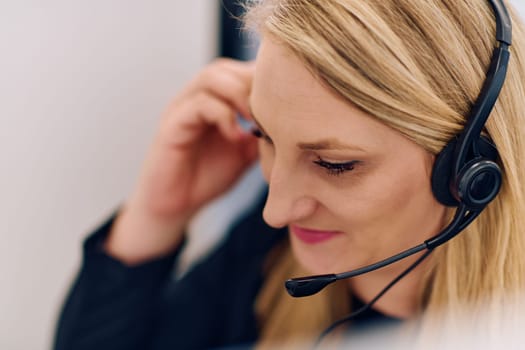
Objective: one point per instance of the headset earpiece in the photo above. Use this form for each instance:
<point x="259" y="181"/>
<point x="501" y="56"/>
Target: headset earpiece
<point x="476" y="183"/>
<point x="441" y="175"/>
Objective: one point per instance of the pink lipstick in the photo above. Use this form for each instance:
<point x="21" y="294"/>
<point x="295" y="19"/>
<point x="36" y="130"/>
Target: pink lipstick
<point x="312" y="236"/>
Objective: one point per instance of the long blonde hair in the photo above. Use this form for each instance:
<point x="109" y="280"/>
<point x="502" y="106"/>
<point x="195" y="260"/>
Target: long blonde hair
<point x="418" y="66"/>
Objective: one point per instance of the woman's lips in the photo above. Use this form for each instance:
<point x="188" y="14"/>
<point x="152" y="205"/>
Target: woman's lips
<point x="313" y="236"/>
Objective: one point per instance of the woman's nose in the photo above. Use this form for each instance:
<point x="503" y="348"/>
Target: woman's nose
<point x="288" y="200"/>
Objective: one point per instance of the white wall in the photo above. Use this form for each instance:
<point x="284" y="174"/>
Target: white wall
<point x="81" y="87"/>
<point x="82" y="84"/>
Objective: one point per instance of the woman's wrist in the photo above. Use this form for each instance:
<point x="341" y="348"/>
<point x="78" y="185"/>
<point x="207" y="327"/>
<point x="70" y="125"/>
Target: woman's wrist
<point x="136" y="238"/>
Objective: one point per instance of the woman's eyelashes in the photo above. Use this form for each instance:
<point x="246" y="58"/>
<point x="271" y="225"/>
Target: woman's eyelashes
<point x="336" y="168"/>
<point x="259" y="134"/>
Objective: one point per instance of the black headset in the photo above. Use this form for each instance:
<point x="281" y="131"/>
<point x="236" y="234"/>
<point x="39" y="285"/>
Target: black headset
<point x="465" y="174"/>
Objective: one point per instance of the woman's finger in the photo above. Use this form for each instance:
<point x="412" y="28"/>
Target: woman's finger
<point x="228" y="80"/>
<point x="198" y="114"/>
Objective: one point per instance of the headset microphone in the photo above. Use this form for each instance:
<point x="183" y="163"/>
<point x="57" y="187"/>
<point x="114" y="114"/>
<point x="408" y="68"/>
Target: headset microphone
<point x="305" y="286"/>
<point x="465" y="174"/>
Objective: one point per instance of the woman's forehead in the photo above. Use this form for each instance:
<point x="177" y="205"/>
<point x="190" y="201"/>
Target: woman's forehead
<point x="287" y="97"/>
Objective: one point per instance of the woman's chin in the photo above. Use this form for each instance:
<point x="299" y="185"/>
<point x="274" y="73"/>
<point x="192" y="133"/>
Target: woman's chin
<point x="317" y="261"/>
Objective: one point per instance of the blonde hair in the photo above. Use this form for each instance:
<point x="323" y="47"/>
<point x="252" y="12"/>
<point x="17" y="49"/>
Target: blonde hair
<point x="418" y="66"/>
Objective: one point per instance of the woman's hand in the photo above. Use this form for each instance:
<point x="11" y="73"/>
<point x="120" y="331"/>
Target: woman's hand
<point x="198" y="153"/>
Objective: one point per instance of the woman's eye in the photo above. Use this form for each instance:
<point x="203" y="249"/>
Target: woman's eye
<point x="336" y="168"/>
<point x="260" y="135"/>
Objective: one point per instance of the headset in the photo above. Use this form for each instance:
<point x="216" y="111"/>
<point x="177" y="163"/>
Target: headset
<point x="465" y="175"/>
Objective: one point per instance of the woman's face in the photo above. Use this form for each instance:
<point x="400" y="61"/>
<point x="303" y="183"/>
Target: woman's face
<point x="351" y="190"/>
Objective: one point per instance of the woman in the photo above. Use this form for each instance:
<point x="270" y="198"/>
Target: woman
<point x="352" y="102"/>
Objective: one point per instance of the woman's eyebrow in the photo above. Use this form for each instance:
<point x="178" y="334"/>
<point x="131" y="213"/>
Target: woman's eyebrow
<point x="324" y="144"/>
<point x="328" y="144"/>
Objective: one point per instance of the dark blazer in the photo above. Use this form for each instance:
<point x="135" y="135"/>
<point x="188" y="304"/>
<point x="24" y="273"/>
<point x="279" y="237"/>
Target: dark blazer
<point x="112" y="306"/>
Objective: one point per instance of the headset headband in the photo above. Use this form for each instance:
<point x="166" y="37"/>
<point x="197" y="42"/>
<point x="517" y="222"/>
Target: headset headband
<point x="483" y="106"/>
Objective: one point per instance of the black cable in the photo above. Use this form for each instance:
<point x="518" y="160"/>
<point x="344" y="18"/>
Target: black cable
<point x="371" y="303"/>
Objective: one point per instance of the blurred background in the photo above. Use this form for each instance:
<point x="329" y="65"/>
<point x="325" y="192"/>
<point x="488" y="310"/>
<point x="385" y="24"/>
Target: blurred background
<point x="82" y="85"/>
